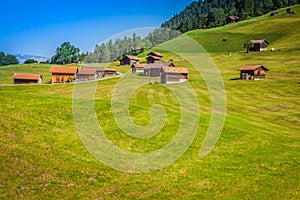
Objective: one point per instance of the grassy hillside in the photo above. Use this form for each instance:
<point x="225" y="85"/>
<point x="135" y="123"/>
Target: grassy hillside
<point x="281" y="31"/>
<point x="257" y="156"/>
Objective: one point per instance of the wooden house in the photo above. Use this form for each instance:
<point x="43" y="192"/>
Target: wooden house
<point x="153" y="53"/>
<point x="110" y="72"/>
<point x="253" y="72"/>
<point x="105" y="72"/>
<point x="258" y="45"/>
<point x="154" y="69"/>
<point x="86" y="75"/>
<point x="101" y="71"/>
<point x="129" y="60"/>
<point x="232" y="19"/>
<point x="174" y="75"/>
<point x="154" y="57"/>
<point x="138" y="68"/>
<point x="27" y="78"/>
<point x="63" y="74"/>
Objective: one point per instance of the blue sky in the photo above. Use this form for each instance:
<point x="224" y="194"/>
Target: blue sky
<point x="38" y="27"/>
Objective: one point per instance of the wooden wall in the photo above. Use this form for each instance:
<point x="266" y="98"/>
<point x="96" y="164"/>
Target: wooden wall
<point x="62" y="78"/>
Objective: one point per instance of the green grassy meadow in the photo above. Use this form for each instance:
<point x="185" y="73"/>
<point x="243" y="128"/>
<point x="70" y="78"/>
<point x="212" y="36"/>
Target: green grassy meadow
<point x="256" y="157"/>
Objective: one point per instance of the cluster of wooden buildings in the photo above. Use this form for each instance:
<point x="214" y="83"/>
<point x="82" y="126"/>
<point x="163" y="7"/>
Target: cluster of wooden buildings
<point x="153" y="57"/>
<point x="71" y="74"/>
<point x="155" y="67"/>
<point x="167" y="71"/>
<point x="255" y="72"/>
<point x="62" y="74"/>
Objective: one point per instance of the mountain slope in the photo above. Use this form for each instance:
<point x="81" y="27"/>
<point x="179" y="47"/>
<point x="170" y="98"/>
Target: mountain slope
<point x="281" y="31"/>
<point x="213" y="13"/>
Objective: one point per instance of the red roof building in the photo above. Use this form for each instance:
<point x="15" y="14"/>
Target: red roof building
<point x="86" y="75"/>
<point x="27" y="78"/>
<point x="154" y="57"/>
<point x="258" y="45"/>
<point x="157" y="54"/>
<point x="63" y="74"/>
<point x="174" y="75"/>
<point x="138" y="68"/>
<point x="253" y="72"/>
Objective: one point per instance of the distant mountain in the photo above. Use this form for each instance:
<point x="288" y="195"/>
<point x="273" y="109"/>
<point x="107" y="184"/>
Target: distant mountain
<point x="23" y="57"/>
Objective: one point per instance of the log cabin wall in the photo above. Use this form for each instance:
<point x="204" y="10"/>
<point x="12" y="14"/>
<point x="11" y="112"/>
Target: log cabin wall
<point x="62" y="78"/>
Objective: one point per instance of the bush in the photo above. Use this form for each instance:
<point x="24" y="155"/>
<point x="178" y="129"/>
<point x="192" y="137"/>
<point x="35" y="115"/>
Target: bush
<point x="30" y="61"/>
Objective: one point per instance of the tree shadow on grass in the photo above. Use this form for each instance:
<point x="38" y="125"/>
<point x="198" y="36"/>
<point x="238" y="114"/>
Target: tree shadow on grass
<point x="235" y="79"/>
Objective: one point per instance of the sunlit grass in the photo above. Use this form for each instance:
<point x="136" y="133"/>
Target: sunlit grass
<point x="257" y="156"/>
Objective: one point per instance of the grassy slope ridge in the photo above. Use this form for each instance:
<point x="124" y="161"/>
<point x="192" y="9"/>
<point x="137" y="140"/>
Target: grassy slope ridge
<point x="257" y="156"/>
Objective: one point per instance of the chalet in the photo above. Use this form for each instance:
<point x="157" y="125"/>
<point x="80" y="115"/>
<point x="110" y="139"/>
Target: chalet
<point x="138" y="68"/>
<point x="154" y="57"/>
<point x="27" y="79"/>
<point x="232" y="19"/>
<point x="258" y="45"/>
<point x="129" y="60"/>
<point x="153" y="53"/>
<point x="174" y="75"/>
<point x="63" y="74"/>
<point x="104" y="72"/>
<point x="154" y="69"/>
<point x="253" y="72"/>
<point x="110" y="72"/>
<point x="101" y="71"/>
<point x="86" y="75"/>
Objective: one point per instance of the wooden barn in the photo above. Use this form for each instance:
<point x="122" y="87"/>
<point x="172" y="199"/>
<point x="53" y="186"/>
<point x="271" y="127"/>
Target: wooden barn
<point x="253" y="72"/>
<point x="154" y="57"/>
<point x="232" y="19"/>
<point x="138" y="68"/>
<point x="258" y="45"/>
<point x="63" y="74"/>
<point x="27" y="78"/>
<point x="86" y="75"/>
<point x="105" y="72"/>
<point x="154" y="69"/>
<point x="129" y="60"/>
<point x="110" y="72"/>
<point x="101" y="71"/>
<point x="174" y="75"/>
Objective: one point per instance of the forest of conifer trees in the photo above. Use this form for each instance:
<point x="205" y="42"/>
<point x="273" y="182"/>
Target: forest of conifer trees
<point x="213" y="13"/>
<point x="115" y="50"/>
